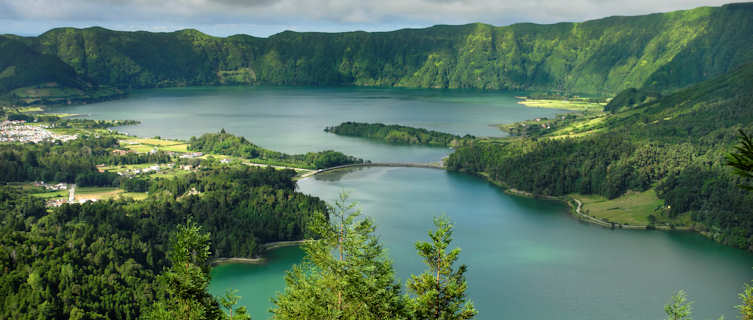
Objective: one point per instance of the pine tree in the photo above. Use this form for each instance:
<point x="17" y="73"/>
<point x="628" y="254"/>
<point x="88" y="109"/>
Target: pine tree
<point x="345" y="275"/>
<point x="742" y="159"/>
<point x="679" y="308"/>
<point x="187" y="279"/>
<point x="746" y="303"/>
<point x="228" y="301"/>
<point x="440" y="291"/>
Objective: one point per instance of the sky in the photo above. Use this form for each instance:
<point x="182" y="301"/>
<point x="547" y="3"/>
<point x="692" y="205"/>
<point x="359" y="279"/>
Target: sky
<point x="266" y="17"/>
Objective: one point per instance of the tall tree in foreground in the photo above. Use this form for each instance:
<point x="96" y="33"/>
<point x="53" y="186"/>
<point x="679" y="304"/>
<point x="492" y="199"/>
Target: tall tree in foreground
<point x="345" y="275"/>
<point x="746" y="303"/>
<point x="679" y="308"/>
<point x="187" y="279"/>
<point x="440" y="291"/>
<point x="742" y="162"/>
<point x="228" y="302"/>
<point x="742" y="159"/>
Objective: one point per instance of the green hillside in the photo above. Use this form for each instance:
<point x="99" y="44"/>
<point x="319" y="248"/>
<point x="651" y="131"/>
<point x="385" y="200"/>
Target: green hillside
<point x="663" y="51"/>
<point x="20" y="66"/>
<point x="29" y="77"/>
<point x="674" y="146"/>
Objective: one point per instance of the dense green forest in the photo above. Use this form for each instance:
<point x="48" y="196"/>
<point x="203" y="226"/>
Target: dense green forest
<point x="21" y="66"/>
<point x="397" y="134"/>
<point x="228" y="144"/>
<point x="149" y="259"/>
<point x="28" y="76"/>
<point x="73" y="161"/>
<point x="675" y="144"/>
<point x="110" y="258"/>
<point x="600" y="56"/>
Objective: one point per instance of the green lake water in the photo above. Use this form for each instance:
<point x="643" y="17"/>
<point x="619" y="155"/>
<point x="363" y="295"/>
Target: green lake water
<point x="528" y="258"/>
<point x="292" y="120"/>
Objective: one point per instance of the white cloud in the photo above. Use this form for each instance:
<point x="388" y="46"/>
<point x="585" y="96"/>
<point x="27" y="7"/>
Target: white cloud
<point x="325" y="14"/>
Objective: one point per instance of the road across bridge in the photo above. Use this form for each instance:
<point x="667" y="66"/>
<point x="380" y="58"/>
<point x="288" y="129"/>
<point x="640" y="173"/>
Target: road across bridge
<point x="377" y="164"/>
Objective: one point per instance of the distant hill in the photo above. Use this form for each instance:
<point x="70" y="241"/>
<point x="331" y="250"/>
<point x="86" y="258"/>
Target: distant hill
<point x="30" y="77"/>
<point x="21" y="66"/>
<point x="664" y="51"/>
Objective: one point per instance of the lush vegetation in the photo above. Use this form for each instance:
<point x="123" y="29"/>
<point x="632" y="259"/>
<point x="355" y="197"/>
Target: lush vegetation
<point x="742" y="159"/>
<point x="74" y="161"/>
<point x="630" y="98"/>
<point x="598" y="57"/>
<point x="121" y="259"/>
<point x="28" y="76"/>
<point x="398" y="134"/>
<point x="228" y="144"/>
<point x="149" y="259"/>
<point x="675" y="145"/>
<point x="21" y="66"/>
<point x="347" y="275"/>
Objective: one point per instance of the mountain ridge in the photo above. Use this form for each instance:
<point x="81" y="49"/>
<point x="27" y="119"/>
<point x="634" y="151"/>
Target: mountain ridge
<point x="664" y="51"/>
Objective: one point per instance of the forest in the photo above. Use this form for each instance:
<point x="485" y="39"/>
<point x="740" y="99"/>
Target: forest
<point x="676" y="144"/>
<point x="110" y="259"/>
<point x="597" y="57"/>
<point x="228" y="144"/>
<point x="72" y="162"/>
<point x="397" y="134"/>
<point x="150" y="259"/>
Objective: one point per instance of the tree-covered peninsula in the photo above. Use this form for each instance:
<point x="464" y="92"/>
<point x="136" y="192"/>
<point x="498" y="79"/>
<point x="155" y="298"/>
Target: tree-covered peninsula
<point x="397" y="134"/>
<point x="227" y="144"/>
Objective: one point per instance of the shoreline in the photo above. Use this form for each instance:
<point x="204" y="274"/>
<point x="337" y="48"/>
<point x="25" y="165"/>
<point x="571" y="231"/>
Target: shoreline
<point x="282" y="244"/>
<point x="575" y="210"/>
<point x="261" y="259"/>
<point x="221" y="261"/>
<point x="561" y="104"/>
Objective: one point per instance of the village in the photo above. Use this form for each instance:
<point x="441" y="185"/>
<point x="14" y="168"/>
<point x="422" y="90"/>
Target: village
<point x="21" y="131"/>
<point x="182" y="161"/>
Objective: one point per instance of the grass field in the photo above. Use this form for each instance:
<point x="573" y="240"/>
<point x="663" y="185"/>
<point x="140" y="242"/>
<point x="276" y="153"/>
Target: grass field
<point x="581" y="128"/>
<point x="573" y="105"/>
<point x="30" y="109"/>
<point x="143" y="145"/>
<point x="101" y="193"/>
<point x="91" y="193"/>
<point x="631" y="208"/>
<point x="96" y="193"/>
<point x="134" y="195"/>
<point x="51" y="194"/>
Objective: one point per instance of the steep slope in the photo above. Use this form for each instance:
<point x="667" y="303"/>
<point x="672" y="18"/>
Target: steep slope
<point x="29" y="77"/>
<point x="20" y="66"/>
<point x="674" y="147"/>
<point x="664" y="51"/>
